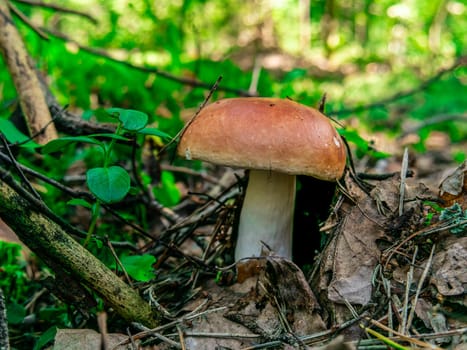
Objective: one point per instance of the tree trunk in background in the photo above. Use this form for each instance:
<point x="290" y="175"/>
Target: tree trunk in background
<point x="305" y="23"/>
<point x="328" y="26"/>
<point x="31" y="97"/>
<point x="436" y="27"/>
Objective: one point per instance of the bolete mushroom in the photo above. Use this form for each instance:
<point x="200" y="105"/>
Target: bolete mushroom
<point x="276" y="139"/>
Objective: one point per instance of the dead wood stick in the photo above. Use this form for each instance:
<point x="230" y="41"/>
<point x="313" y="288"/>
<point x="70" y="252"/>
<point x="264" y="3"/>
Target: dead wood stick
<point x="31" y="97"/>
<point x="51" y="243"/>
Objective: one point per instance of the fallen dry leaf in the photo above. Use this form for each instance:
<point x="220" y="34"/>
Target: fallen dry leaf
<point x="450" y="268"/>
<point x="350" y="259"/>
<point x="453" y="188"/>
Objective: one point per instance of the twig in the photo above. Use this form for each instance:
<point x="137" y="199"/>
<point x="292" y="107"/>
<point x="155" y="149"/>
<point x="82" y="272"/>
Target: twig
<point x="322" y="103"/>
<point x="461" y="61"/>
<point x="402" y="336"/>
<point x="222" y="335"/>
<point x="163" y="74"/>
<point x="39" y="205"/>
<point x="206" y="210"/>
<point x="307" y="339"/>
<point x="85" y="195"/>
<point x="405" y="164"/>
<point x="405" y="309"/>
<point x="58" y="8"/>
<point x="26" y="20"/>
<point x="179" y="135"/>
<point x="119" y="263"/>
<point x="441" y="226"/>
<point x="146" y="332"/>
<point x="57" y="115"/>
<point x="437" y="119"/>
<point x="181" y="337"/>
<point x="167" y="340"/>
<point x="382" y="177"/>
<point x="15" y="165"/>
<point x="132" y="341"/>
<point x="387" y="287"/>
<point x="419" y="287"/>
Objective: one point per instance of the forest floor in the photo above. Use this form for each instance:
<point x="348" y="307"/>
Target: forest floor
<point x="383" y="272"/>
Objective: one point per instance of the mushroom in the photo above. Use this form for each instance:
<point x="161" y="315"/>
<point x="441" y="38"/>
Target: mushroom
<point x="276" y="139"/>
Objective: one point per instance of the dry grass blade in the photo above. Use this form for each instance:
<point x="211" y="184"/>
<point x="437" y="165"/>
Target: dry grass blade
<point x="405" y="164"/>
<point x="419" y="287"/>
<point x="411" y="340"/>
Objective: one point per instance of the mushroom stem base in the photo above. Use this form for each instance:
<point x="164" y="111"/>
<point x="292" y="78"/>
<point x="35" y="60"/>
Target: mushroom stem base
<point x="267" y="215"/>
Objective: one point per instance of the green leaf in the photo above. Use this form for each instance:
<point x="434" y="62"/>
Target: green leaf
<point x="167" y="191"/>
<point x="15" y="313"/>
<point x="131" y="119"/>
<point x="46" y="337"/>
<point x="353" y="137"/>
<point x="111" y="136"/>
<point x="154" y="132"/>
<point x="58" y="144"/>
<point x="110" y="184"/>
<point x="81" y="202"/>
<point x="139" y="267"/>
<point x="104" y="116"/>
<point x="13" y="135"/>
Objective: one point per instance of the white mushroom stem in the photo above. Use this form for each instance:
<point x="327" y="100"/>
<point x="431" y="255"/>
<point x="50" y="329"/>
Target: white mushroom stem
<point x="267" y="214"/>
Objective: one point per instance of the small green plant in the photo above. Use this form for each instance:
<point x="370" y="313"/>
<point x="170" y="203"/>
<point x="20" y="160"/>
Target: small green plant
<point x="362" y="146"/>
<point x="457" y="218"/>
<point x="138" y="267"/>
<point x="434" y="208"/>
<point x="109" y="183"/>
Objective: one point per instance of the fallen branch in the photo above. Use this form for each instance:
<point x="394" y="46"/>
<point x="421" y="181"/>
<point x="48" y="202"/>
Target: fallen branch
<point x="25" y="79"/>
<point x="54" y="246"/>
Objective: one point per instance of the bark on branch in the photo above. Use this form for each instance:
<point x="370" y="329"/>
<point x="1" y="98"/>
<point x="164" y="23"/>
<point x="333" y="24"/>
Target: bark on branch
<point x="31" y="97"/>
<point x="52" y="244"/>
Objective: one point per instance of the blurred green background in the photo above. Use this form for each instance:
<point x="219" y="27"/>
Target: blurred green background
<point x="358" y="52"/>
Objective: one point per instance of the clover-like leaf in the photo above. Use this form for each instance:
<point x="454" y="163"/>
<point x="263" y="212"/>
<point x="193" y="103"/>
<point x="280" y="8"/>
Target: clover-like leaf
<point x="139" y="267"/>
<point x="110" y="184"/>
<point x="58" y="144"/>
<point x="155" y="132"/>
<point x="131" y="119"/>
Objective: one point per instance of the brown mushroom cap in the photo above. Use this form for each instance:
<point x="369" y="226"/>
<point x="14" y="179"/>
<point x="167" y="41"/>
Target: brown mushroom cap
<point x="266" y="133"/>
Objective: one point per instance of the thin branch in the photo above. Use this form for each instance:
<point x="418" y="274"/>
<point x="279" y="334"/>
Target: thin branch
<point x="177" y="137"/>
<point x="437" y="119"/>
<point x="26" y="20"/>
<point x="15" y="165"/>
<point x="461" y="61"/>
<point x="38" y="204"/>
<point x="118" y="261"/>
<point x="163" y="74"/>
<point x="58" y="8"/>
